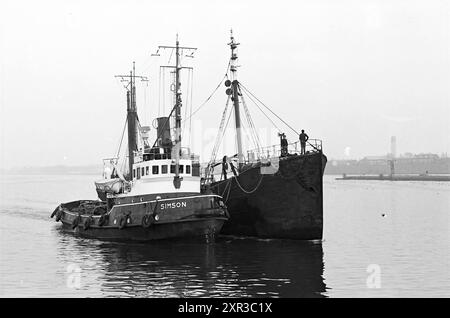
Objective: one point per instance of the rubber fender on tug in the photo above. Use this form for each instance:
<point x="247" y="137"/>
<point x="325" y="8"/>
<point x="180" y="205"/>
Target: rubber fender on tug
<point x="55" y="211"/>
<point x="104" y="218"/>
<point x="148" y="220"/>
<point x="97" y="209"/>
<point x="88" y="222"/>
<point x="124" y="220"/>
<point x="212" y="212"/>
<point x="59" y="215"/>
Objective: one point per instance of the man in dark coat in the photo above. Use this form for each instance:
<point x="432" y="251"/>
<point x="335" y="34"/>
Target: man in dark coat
<point x="303" y="139"/>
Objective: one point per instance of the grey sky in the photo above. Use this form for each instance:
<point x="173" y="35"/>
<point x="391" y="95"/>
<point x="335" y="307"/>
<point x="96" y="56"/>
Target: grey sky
<point x="352" y="73"/>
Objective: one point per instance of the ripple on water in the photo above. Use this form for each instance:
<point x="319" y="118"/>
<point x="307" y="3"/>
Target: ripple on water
<point x="36" y="256"/>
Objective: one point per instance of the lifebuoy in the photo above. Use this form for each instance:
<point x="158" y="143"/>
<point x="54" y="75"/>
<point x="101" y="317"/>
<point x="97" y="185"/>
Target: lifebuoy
<point x="76" y="221"/>
<point x="147" y="220"/>
<point x="124" y="220"/>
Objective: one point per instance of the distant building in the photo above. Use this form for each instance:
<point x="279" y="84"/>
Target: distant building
<point x="407" y="163"/>
<point x="374" y="160"/>
<point x="426" y="156"/>
<point x="407" y="155"/>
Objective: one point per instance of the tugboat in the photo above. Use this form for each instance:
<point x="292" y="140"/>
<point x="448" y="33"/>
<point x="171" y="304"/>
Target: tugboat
<point x="159" y="197"/>
<point x="275" y="191"/>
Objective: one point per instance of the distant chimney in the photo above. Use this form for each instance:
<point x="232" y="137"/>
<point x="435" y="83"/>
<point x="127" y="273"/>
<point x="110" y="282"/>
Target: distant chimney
<point x="393" y="147"/>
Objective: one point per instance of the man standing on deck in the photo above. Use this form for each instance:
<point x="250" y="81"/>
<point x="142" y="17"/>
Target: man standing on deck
<point x="303" y="139"/>
<point x="224" y="167"/>
<point x="284" y="144"/>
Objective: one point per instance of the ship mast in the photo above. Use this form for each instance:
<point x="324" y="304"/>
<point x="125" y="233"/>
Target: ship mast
<point x="235" y="92"/>
<point x="132" y="117"/>
<point x="178" y="104"/>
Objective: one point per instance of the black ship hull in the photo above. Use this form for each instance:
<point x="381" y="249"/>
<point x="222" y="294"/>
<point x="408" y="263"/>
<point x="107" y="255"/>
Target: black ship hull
<point x="287" y="204"/>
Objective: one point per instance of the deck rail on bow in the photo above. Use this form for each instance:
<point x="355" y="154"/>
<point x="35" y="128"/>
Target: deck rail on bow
<point x="312" y="146"/>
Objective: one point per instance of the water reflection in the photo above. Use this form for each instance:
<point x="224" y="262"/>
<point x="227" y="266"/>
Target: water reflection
<point x="35" y="256"/>
<point x="231" y="267"/>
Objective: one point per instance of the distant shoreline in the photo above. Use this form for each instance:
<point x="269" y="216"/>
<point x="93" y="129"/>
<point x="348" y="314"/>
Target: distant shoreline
<point x="54" y="170"/>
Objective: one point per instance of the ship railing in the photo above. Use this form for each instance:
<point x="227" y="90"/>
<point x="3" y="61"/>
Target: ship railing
<point x="314" y="145"/>
<point x="264" y="153"/>
<point x="109" y="164"/>
<point x="261" y="154"/>
<point x="110" y="161"/>
<point x="165" y="153"/>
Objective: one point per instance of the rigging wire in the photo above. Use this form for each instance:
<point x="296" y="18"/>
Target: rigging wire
<point x="186" y="106"/>
<point x="163" y="90"/>
<point x="262" y="111"/>
<point x="190" y="114"/>
<point x="214" y="91"/>
<point x="170" y="57"/>
<point x="249" y="119"/>
<point x="123" y="134"/>
<point x="125" y="162"/>
<point x="247" y="131"/>
<point x="289" y="126"/>
<point x="220" y="133"/>
<point x="207" y="99"/>
<point x="224" y="130"/>
<point x="147" y="112"/>
<point x="246" y="134"/>
<point x="159" y="93"/>
<point x="139" y="131"/>
<point x="146" y="68"/>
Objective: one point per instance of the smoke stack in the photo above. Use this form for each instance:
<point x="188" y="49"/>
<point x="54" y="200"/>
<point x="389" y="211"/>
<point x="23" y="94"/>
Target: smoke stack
<point x="163" y="131"/>
<point x="393" y="147"/>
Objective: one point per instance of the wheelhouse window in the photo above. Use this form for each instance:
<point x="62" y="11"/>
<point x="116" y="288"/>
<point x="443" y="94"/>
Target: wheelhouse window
<point x="155" y="169"/>
<point x="188" y="169"/>
<point x="146" y="170"/>
<point x="196" y="170"/>
<point x="164" y="169"/>
<point x="134" y="173"/>
<point x="180" y="169"/>
<point x="143" y="171"/>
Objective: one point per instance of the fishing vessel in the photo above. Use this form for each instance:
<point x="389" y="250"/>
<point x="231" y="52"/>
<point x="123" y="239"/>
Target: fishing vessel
<point x="271" y="191"/>
<point x="157" y="195"/>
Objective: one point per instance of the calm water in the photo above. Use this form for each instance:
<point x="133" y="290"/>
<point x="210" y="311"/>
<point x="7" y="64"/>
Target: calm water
<point x="406" y="253"/>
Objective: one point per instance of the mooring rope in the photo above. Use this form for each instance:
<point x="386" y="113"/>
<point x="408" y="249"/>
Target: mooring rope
<point x="251" y="191"/>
